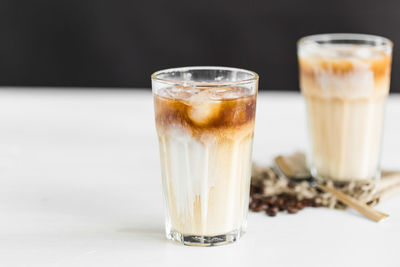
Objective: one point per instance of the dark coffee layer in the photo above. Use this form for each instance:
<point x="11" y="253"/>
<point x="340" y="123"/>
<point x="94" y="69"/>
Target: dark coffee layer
<point x="205" y="115"/>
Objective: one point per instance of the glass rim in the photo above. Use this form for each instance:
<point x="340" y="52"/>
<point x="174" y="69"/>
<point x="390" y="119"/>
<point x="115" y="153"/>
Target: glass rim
<point x="154" y="76"/>
<point x="376" y="40"/>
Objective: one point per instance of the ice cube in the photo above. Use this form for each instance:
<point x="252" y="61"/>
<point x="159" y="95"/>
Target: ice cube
<point x="218" y="93"/>
<point x="181" y="93"/>
<point x="229" y="93"/>
<point x="202" y="108"/>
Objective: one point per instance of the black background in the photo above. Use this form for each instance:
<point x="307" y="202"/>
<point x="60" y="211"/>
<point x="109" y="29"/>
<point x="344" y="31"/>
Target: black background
<point x="99" y="43"/>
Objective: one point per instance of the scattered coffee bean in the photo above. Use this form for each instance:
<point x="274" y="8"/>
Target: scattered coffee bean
<point x="271" y="212"/>
<point x="266" y="200"/>
<point x="274" y="209"/>
<point x="299" y="205"/>
<point x="279" y="203"/>
<point x="290" y="203"/>
<point x="292" y="210"/>
<point x="253" y="205"/>
<point x="307" y="202"/>
<point x="261" y="207"/>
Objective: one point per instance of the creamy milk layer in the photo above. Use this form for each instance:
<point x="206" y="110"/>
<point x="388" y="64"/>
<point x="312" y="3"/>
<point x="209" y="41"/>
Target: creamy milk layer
<point x="205" y="139"/>
<point x="345" y="87"/>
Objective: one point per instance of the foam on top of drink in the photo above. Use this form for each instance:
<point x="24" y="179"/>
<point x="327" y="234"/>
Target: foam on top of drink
<point x="344" y="70"/>
<point x="202" y="110"/>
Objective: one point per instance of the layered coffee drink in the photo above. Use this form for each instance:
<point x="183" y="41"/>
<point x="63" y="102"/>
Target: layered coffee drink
<point x="345" y="80"/>
<point x="205" y="137"/>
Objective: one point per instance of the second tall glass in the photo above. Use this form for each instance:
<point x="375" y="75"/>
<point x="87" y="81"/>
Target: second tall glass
<point x="345" y="80"/>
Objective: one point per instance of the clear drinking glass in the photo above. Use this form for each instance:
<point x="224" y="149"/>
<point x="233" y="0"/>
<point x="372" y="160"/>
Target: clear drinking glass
<point x="345" y="80"/>
<point x="205" y="125"/>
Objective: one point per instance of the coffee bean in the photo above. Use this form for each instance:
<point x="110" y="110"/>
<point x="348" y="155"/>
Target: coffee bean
<point x="274" y="209"/>
<point x="257" y="196"/>
<point x="266" y="200"/>
<point x="261" y="207"/>
<point x="292" y="210"/>
<point x="289" y="197"/>
<point x="290" y="203"/>
<point x="299" y="205"/>
<point x="307" y="202"/>
<point x="253" y="204"/>
<point x="271" y="212"/>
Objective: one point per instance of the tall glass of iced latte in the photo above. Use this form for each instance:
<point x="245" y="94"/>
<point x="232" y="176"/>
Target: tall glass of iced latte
<point x="205" y="124"/>
<point x="345" y="81"/>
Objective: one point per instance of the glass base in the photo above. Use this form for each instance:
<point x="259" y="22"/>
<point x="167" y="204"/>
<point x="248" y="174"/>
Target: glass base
<point x="205" y="241"/>
<point x="315" y="174"/>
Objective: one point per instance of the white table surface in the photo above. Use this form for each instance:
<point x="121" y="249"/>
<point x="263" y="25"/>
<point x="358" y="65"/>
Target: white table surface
<point x="80" y="186"/>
